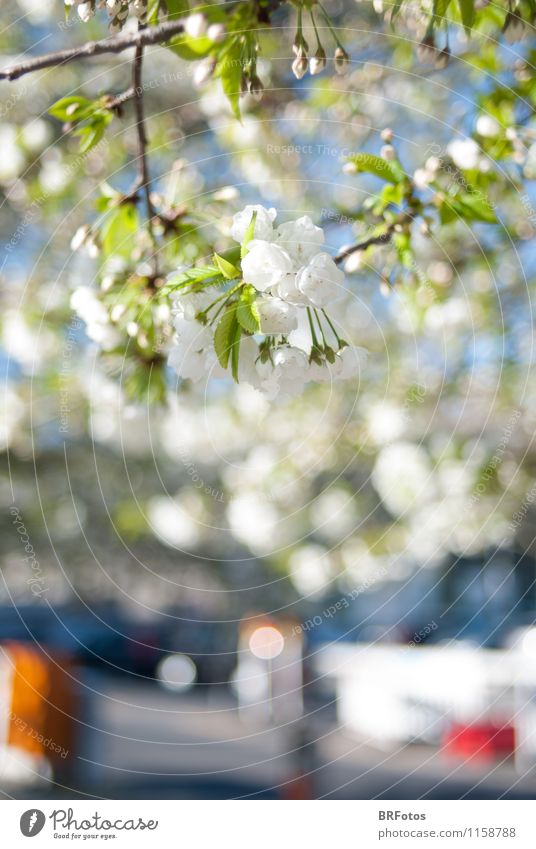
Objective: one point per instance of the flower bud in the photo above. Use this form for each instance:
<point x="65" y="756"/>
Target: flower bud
<point x="388" y="152"/>
<point x="349" y="168"/>
<point x="513" y="28"/>
<point x="387" y="135"/>
<point x="300" y="64"/>
<point x="80" y="237"/>
<point x="204" y="71"/>
<point x="139" y="7"/>
<point x="256" y="87"/>
<point x="317" y="62"/>
<point x="85" y="11"/>
<point x="196" y="25"/>
<point x="442" y="59"/>
<point x="217" y="33"/>
<point x="427" y="51"/>
<point x="341" y="60"/>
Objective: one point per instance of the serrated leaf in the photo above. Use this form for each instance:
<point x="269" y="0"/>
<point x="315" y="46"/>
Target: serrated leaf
<point x="192" y="275"/>
<point x="235" y="352"/>
<point x="249" y="234"/>
<point x="467" y="12"/>
<point x="368" y="163"/>
<point x="224" y="335"/>
<point x="248" y="316"/>
<point x="227" y="268"/>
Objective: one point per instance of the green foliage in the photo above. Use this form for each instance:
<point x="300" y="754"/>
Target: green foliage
<point x="368" y="163"/>
<point x="227" y="335"/>
<point x="247" y="312"/>
<point x="91" y="117"/>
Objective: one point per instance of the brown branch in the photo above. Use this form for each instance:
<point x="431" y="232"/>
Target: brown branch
<point x="143" y="180"/>
<point x="380" y="239"/>
<point x="116" y="44"/>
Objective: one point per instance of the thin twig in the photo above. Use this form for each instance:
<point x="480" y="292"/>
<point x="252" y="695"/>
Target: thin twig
<point x="143" y="180"/>
<point x="115" y="102"/>
<point x="115" y="44"/>
<point x="380" y="239"/>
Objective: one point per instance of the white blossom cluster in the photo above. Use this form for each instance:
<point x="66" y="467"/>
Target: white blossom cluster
<point x="294" y="281"/>
<point x="118" y="10"/>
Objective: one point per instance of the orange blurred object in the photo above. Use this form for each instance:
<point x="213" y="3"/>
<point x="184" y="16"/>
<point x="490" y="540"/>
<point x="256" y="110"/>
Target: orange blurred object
<point x="40" y="705"/>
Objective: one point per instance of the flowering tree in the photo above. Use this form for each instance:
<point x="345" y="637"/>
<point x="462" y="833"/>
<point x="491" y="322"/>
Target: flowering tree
<point x="397" y="144"/>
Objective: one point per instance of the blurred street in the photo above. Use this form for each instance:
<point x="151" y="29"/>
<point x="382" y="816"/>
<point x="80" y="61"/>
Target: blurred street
<point x="143" y="742"/>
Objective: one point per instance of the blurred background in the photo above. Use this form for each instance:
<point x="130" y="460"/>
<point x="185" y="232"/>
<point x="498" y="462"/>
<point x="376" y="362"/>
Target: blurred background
<point x="218" y="597"/>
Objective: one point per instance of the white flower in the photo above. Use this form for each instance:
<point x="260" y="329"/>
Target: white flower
<point x="87" y="306"/>
<point x="350" y="362"/>
<point x="487" y="126"/>
<point x="195" y="25"/>
<point x="263" y="223"/>
<point x="422" y="178"/>
<point x="465" y="153"/>
<point x="323" y="372"/>
<point x="191" y="348"/>
<point x="85" y="11"/>
<point x="188" y="306"/>
<point x="288" y="291"/>
<point x="276" y="316"/>
<point x="265" y="265"/>
<point x="287" y="376"/>
<point x="321" y="280"/>
<point x="301" y="239"/>
<point x="514" y="28"/>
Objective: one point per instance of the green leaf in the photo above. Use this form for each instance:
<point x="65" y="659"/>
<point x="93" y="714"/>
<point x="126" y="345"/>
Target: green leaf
<point x="227" y="268"/>
<point x="467" y="11"/>
<point x="396" y="10"/>
<point x="402" y="243"/>
<point x="247" y="312"/>
<point x="440" y="10"/>
<point x="177" y="8"/>
<point x="191" y="49"/>
<point x="119" y="230"/>
<point x="235" y="352"/>
<point x="224" y="336"/>
<point x="191" y="276"/>
<point x="73" y="108"/>
<point x="248" y="236"/>
<point x="469" y="207"/>
<point x="477" y="207"/>
<point x="91" y="134"/>
<point x="229" y="70"/>
<point x="368" y="163"/>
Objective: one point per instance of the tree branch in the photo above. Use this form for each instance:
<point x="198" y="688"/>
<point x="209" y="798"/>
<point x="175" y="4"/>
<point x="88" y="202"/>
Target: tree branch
<point x="380" y="239"/>
<point x="143" y="180"/>
<point x="116" y="44"/>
